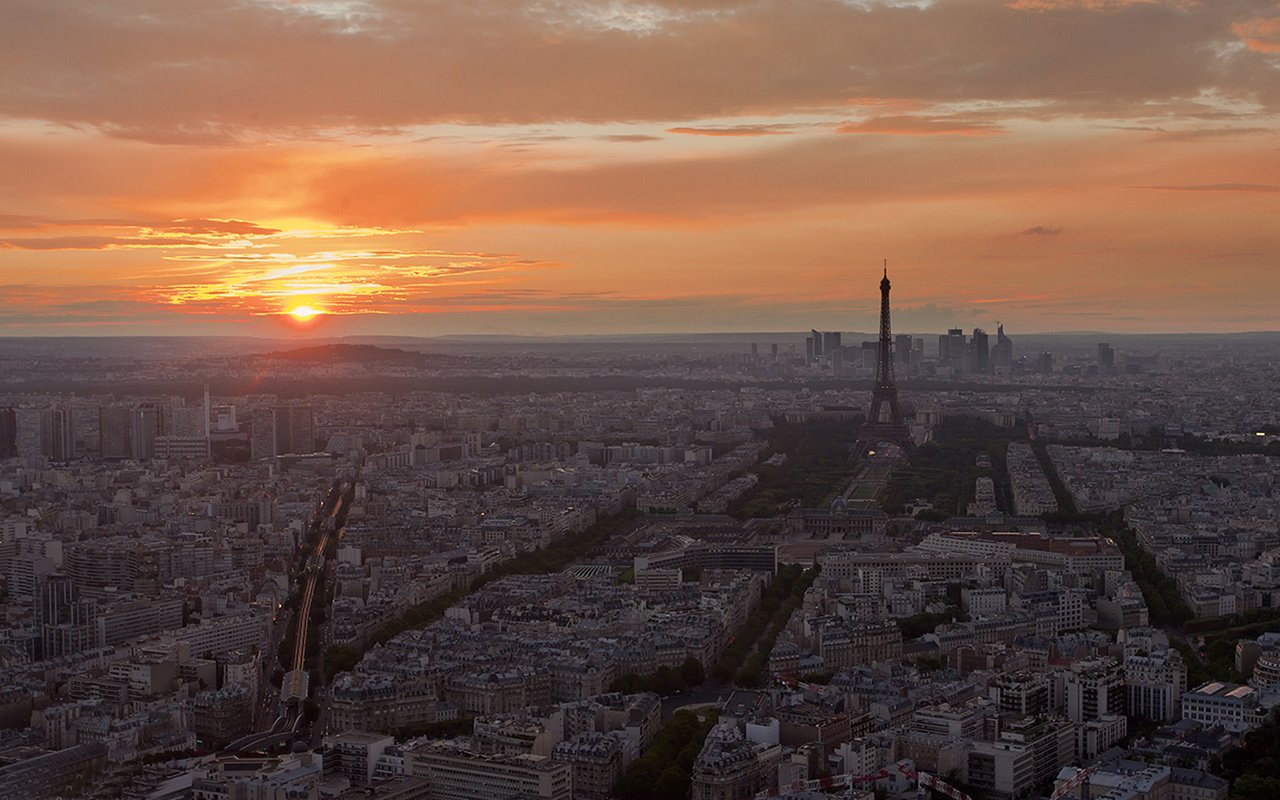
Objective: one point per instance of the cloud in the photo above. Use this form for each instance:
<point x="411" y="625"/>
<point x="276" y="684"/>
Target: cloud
<point x="1041" y="231"/>
<point x="1091" y="5"/>
<point x="1218" y="187"/>
<point x="340" y="282"/>
<point x="76" y="304"/>
<point x="734" y="130"/>
<point x="1261" y="35"/>
<point x="628" y="137"/>
<point x="213" y="226"/>
<point x="1204" y="134"/>
<point x="180" y="233"/>
<point x="223" y="70"/>
<point x="191" y="226"/>
<point x="95" y="243"/>
<point x="918" y="125"/>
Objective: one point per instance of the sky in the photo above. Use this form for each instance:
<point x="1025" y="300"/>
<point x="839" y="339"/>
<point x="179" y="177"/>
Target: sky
<point x="550" y="167"/>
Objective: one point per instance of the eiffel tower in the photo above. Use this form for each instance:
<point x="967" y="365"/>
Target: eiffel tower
<point x="884" y="420"/>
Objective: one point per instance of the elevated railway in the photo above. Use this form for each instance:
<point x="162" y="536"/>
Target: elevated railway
<point x="322" y="535"/>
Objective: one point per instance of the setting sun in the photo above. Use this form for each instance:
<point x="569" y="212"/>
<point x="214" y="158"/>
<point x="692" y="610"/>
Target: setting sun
<point x="304" y="313"/>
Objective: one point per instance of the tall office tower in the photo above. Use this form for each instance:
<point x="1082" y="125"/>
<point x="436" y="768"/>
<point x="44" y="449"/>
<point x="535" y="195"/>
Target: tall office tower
<point x="773" y="352"/>
<point x="917" y="351"/>
<point x="84" y="424"/>
<point x="809" y="351"/>
<point x="884" y="422"/>
<point x="755" y="353"/>
<point x="1002" y="352"/>
<point x="187" y="434"/>
<point x="817" y="342"/>
<point x="62" y="435"/>
<point x="1106" y="358"/>
<point x="63" y="621"/>
<point x="981" y="352"/>
<point x="870" y="351"/>
<point x="902" y="349"/>
<point x="951" y="347"/>
<point x="115" y="432"/>
<point x="830" y="341"/>
<point x="1044" y="363"/>
<point x="187" y="422"/>
<point x="8" y="433"/>
<point x="31" y="431"/>
<point x="837" y="362"/>
<point x="262" y="435"/>
<point x="301" y="426"/>
<point x="283" y="430"/>
<point x="143" y="430"/>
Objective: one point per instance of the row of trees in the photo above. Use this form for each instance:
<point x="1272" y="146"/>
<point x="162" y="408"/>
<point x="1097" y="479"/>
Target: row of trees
<point x="665" y="770"/>
<point x="1254" y="768"/>
<point x="754" y="671"/>
<point x="1164" y="604"/>
<point x="552" y="558"/>
<point x="744" y="663"/>
<point x="666" y="680"/>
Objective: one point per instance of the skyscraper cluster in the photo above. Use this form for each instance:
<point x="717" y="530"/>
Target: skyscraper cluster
<point x="958" y="353"/>
<point x="975" y="354"/>
<point x="821" y="343"/>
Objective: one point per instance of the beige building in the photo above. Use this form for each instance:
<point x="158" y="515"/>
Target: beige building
<point x="597" y="762"/>
<point x="456" y="774"/>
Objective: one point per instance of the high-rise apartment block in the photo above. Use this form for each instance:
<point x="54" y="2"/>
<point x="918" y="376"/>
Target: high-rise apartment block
<point x="283" y="430"/>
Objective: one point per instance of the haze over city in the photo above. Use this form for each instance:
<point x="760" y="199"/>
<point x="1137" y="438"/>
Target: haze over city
<point x="425" y="168"/>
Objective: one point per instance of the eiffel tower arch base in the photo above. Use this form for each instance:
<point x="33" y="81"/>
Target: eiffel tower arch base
<point x="872" y="434"/>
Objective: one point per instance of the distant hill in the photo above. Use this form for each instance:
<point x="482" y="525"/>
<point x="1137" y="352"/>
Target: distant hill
<point x="358" y="354"/>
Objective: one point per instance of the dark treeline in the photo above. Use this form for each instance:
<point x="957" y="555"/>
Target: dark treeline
<point x="817" y="466"/>
<point x="944" y="469"/>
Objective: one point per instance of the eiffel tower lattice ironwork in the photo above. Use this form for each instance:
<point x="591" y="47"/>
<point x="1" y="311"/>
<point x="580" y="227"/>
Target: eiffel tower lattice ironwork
<point x="884" y="421"/>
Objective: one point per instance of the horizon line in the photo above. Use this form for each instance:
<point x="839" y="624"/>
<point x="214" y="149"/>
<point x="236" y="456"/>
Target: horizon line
<point x="635" y="334"/>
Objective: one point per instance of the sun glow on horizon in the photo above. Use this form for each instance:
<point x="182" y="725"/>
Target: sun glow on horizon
<point x="304" y="313"/>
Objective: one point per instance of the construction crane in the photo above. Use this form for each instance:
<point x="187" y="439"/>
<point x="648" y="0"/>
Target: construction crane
<point x="1081" y="778"/>
<point x="793" y="683"/>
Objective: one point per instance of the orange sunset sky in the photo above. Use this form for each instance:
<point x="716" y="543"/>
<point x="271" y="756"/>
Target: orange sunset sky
<point x="560" y="167"/>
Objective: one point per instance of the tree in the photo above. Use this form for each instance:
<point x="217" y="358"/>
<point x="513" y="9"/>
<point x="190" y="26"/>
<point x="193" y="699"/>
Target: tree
<point x="638" y="782"/>
<point x="692" y="672"/>
<point x="1255" y="787"/>
<point x="339" y="658"/>
<point x="673" y="784"/>
<point x="667" y="681"/>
